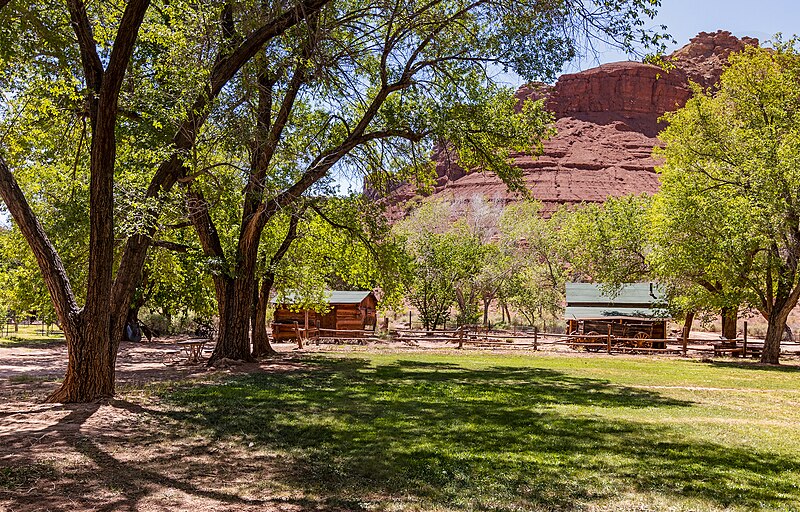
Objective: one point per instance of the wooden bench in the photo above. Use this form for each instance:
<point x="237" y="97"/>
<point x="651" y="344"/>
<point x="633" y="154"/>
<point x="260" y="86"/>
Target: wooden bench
<point x="722" y="348"/>
<point x="753" y="350"/>
<point x="170" y="356"/>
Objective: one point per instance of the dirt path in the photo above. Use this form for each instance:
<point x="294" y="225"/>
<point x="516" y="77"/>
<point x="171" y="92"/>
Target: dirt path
<point x="125" y="454"/>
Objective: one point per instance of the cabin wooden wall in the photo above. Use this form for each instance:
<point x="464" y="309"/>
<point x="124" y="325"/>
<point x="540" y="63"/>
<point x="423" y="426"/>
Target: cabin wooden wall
<point x="349" y="317"/>
<point x="286" y="316"/>
<point x="370" y="305"/>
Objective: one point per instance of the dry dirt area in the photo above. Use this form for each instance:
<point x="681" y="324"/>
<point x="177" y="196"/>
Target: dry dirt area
<point x="123" y="454"/>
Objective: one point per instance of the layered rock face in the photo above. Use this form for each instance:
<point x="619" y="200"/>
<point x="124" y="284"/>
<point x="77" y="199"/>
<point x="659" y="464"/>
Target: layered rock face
<point x="606" y="123"/>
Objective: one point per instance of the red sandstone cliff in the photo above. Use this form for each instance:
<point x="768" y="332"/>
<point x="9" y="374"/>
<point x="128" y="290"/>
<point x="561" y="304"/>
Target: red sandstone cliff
<point x="606" y="122"/>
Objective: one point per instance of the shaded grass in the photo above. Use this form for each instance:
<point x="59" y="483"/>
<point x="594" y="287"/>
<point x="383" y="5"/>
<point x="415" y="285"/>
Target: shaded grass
<point x="21" y="476"/>
<point x="478" y="432"/>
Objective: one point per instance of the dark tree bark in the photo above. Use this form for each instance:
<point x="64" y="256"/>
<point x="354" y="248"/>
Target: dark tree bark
<point x="776" y="323"/>
<point x="261" y="345"/>
<point x="92" y="353"/>
<point x="729" y="316"/>
<point x="259" y="210"/>
<point x="778" y="299"/>
<point x="687" y="324"/>
<point x="94" y="333"/>
<point x="235" y="300"/>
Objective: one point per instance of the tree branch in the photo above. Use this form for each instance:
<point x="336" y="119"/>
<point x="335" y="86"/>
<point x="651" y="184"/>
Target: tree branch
<point x="92" y="66"/>
<point x="173" y="167"/>
<point x="291" y="236"/>
<point x="204" y="224"/>
<point x="121" y="52"/>
<point x="171" y="246"/>
<point x="364" y="240"/>
<point x="50" y="264"/>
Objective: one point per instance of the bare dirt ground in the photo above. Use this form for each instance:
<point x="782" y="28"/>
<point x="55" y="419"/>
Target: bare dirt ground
<point x="128" y="453"/>
<point x="119" y="455"/>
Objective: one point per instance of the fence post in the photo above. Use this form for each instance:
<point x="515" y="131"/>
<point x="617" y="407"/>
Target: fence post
<point x="535" y="339"/>
<point x="685" y="341"/>
<point x="608" y="339"/>
<point x="745" y="340"/>
<point x="297" y="333"/>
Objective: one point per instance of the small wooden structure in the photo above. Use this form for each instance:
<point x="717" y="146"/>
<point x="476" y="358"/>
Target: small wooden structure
<point x="636" y="312"/>
<point x="349" y="311"/>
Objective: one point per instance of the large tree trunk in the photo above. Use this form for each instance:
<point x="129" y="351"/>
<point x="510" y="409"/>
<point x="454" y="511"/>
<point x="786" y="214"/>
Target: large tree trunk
<point x="93" y="335"/>
<point x="90" y="370"/>
<point x="729" y="316"/>
<point x="775" y="330"/>
<point x="687" y="324"/>
<point x="234" y="298"/>
<point x="261" y="345"/>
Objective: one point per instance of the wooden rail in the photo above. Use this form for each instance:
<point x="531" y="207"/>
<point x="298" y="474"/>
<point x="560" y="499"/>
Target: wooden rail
<point x="463" y="337"/>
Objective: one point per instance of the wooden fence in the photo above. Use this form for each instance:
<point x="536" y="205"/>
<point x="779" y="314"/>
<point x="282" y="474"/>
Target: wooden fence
<point x="463" y="338"/>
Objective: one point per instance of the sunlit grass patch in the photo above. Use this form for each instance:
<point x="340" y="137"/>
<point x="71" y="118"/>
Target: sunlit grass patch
<point x="483" y="432"/>
<point x="29" y="335"/>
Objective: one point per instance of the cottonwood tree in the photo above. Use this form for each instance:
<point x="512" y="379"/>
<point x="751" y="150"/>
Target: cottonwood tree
<point x="731" y="181"/>
<point x="624" y="240"/>
<point x="90" y="57"/>
<point x="607" y="242"/>
<point x="498" y="259"/>
<point x="695" y="268"/>
<point x="341" y="243"/>
<point x="536" y="287"/>
<point x="371" y="85"/>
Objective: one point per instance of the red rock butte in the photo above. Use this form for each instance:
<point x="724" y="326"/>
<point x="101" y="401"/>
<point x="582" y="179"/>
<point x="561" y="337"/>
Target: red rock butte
<point x="606" y="127"/>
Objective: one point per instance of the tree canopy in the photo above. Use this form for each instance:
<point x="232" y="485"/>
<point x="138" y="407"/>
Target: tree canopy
<point x="729" y="206"/>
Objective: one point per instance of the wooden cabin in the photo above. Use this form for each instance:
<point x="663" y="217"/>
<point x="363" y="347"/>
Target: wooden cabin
<point x="349" y="311"/>
<point x="637" y="311"/>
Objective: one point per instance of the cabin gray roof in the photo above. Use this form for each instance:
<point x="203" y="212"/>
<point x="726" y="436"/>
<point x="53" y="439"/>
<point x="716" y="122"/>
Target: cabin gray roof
<point x="634" y="300"/>
<point x="333" y="297"/>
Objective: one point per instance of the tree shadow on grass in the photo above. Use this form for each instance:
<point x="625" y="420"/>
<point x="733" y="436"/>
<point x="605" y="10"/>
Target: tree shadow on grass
<point x="31" y="343"/>
<point x="495" y="438"/>
<point x="756" y="365"/>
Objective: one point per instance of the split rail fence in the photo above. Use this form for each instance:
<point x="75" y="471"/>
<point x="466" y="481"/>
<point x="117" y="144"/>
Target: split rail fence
<point x="472" y="337"/>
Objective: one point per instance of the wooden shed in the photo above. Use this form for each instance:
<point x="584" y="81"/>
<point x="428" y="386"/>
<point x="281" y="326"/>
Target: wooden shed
<point x="349" y="311"/>
<point x="636" y="310"/>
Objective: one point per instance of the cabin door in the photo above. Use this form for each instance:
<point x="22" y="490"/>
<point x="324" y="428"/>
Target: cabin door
<point x="329" y="320"/>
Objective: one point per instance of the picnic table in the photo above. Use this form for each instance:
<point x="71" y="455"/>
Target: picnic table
<point x="727" y="347"/>
<point x="193" y="349"/>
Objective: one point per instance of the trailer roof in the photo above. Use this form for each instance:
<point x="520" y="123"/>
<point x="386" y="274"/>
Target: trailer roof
<point x="644" y="301"/>
<point x="333" y="297"/>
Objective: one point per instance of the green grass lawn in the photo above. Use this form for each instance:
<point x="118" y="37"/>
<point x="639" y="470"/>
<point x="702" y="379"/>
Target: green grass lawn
<point x="506" y="433"/>
<point x="29" y="335"/>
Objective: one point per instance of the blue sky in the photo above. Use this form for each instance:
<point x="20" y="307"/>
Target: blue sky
<point x="686" y="18"/>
